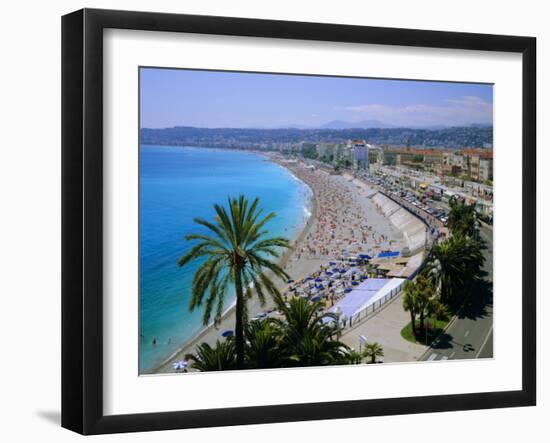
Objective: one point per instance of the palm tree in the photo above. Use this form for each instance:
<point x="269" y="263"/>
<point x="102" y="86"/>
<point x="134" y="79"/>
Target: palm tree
<point x="461" y="218"/>
<point x="238" y="253"/>
<point x="410" y="302"/>
<point x="262" y="344"/>
<point x="304" y="316"/>
<point x="461" y="262"/>
<point x="373" y="350"/>
<point x="424" y="293"/>
<point x="218" y="358"/>
<point x="308" y="338"/>
<point x="316" y="350"/>
<point x="353" y="357"/>
<point x="437" y="310"/>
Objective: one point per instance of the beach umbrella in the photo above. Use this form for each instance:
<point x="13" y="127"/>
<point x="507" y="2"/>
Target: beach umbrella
<point x="342" y="271"/>
<point x="289" y="281"/>
<point x="332" y="263"/>
<point x="180" y="365"/>
<point x="318" y="280"/>
<point x="328" y="272"/>
<point x="347" y="290"/>
<point x="227" y="333"/>
<point x="354" y="283"/>
<point x="315" y="298"/>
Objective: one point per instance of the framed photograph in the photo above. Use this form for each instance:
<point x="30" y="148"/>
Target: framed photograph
<point x="269" y="221"/>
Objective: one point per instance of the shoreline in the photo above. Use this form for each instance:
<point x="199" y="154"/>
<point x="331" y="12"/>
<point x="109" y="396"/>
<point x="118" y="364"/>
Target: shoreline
<point x="179" y="354"/>
<point x="343" y="221"/>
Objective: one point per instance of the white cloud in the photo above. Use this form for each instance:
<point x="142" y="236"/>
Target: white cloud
<point x="455" y="112"/>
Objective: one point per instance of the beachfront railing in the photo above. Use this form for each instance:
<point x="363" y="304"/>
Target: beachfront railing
<point x="369" y="310"/>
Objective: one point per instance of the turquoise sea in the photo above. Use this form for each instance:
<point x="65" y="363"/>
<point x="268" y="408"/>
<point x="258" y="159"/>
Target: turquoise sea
<point x="176" y="185"/>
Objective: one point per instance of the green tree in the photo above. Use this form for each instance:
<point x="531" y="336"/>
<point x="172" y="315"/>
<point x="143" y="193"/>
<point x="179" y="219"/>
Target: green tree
<point x="437" y="310"/>
<point x="424" y="293"/>
<point x="417" y="296"/>
<point x="262" y="344"/>
<point x="307" y="338"/>
<point x="236" y="252"/>
<point x="373" y="350"/>
<point x="353" y="357"/>
<point x="461" y="218"/>
<point x="218" y="358"/>
<point x="310" y="151"/>
<point x="461" y="262"/>
<point x="410" y="302"/>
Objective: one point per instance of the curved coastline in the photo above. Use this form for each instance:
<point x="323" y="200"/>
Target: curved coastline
<point x="254" y="304"/>
<point x="340" y="207"/>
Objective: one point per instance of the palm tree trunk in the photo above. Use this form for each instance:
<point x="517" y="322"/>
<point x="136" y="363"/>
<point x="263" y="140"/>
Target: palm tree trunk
<point x="413" y="323"/>
<point x="239" y="333"/>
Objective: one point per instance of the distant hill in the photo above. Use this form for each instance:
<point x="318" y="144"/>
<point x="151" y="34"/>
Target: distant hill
<point x="480" y="125"/>
<point x="454" y="137"/>
<point x="364" y="124"/>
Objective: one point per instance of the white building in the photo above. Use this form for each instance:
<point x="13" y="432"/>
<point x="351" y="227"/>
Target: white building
<point x="359" y="153"/>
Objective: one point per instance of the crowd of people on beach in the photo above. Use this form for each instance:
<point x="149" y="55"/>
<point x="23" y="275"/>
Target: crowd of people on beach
<point x="342" y="224"/>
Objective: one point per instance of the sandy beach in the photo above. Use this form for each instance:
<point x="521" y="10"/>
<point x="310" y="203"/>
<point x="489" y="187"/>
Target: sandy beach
<point x="343" y="220"/>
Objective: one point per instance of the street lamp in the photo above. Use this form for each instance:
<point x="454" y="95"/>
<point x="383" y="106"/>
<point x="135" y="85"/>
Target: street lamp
<point x="338" y="313"/>
<point x="362" y="342"/>
<point x="435" y="271"/>
<point x="344" y="320"/>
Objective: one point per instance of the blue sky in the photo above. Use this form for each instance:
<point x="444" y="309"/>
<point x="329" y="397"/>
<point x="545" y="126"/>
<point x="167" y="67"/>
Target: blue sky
<point x="174" y="97"/>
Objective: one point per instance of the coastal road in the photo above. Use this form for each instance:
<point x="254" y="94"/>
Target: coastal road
<point x="470" y="334"/>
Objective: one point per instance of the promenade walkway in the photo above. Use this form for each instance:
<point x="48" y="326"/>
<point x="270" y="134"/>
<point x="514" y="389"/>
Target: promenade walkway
<point x="385" y="328"/>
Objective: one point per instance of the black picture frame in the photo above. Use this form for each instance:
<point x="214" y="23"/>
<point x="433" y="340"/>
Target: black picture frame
<point x="82" y="216"/>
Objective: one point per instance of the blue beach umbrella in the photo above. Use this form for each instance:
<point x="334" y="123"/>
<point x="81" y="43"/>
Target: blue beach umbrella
<point x="318" y="280"/>
<point x="227" y="333"/>
<point x="332" y="263"/>
<point x="347" y="290"/>
<point x="315" y="298"/>
<point x="354" y="283"/>
<point x="180" y="365"/>
<point x="342" y="271"/>
<point x="328" y="272"/>
<point x="289" y="281"/>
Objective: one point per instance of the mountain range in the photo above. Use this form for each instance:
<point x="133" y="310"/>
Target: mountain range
<point x="369" y="124"/>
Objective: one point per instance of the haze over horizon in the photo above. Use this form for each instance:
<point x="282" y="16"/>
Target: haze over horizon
<point x="215" y="99"/>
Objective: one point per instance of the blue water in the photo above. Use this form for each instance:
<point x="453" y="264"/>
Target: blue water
<point x="176" y="185"/>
